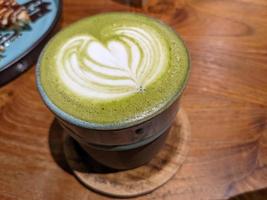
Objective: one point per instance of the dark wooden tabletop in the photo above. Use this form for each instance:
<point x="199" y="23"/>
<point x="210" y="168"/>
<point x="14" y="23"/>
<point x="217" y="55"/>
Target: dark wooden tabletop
<point x="226" y="101"/>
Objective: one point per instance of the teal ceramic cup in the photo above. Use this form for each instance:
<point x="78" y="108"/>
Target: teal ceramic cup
<point x="126" y="144"/>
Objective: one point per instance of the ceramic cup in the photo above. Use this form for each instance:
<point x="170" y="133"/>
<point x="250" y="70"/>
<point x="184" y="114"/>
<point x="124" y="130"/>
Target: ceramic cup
<point x="122" y="146"/>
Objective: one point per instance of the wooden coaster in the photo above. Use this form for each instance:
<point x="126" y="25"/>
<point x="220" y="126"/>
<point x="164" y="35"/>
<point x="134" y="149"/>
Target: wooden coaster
<point x="136" y="181"/>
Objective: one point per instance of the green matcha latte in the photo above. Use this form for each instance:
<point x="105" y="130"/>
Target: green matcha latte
<point x="114" y="68"/>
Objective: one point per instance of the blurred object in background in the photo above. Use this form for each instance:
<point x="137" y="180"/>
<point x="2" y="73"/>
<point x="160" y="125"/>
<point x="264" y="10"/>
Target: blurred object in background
<point x="135" y="3"/>
<point x="12" y="14"/>
<point x="16" y="17"/>
<point x="255" y="195"/>
<point x="20" y="44"/>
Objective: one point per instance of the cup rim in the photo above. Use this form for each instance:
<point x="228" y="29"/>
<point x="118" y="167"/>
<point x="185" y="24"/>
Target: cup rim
<point x="111" y="126"/>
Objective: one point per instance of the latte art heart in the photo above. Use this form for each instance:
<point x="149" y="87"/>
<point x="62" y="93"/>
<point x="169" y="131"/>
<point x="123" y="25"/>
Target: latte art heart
<point x="126" y="63"/>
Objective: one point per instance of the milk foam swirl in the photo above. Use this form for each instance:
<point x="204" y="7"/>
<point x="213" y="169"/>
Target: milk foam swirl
<point x="127" y="63"/>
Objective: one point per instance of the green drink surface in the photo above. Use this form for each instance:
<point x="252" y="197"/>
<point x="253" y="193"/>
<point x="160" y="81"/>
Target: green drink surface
<point x="114" y="68"/>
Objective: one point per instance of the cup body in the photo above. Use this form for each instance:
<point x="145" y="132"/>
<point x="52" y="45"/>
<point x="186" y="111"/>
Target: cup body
<point x="119" y="146"/>
<point x="125" y="148"/>
<point x="128" y="158"/>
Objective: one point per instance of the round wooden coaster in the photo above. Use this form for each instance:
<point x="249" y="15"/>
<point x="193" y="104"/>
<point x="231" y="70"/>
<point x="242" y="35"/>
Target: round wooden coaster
<point x="136" y="181"/>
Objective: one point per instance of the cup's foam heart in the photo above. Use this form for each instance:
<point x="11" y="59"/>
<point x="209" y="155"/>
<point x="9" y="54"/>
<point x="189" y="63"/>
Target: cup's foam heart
<point x="120" y="67"/>
<point x="114" y="68"/>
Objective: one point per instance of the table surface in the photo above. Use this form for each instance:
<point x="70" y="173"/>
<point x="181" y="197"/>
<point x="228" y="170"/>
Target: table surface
<point x="226" y="101"/>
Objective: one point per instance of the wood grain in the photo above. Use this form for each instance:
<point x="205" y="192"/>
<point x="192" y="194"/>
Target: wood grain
<point x="226" y="101"/>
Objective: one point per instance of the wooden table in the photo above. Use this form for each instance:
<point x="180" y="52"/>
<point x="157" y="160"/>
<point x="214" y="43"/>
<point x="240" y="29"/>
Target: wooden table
<point x="226" y="101"/>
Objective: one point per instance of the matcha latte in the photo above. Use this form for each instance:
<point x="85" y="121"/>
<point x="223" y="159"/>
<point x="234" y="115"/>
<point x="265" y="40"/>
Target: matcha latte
<point x="113" y="69"/>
